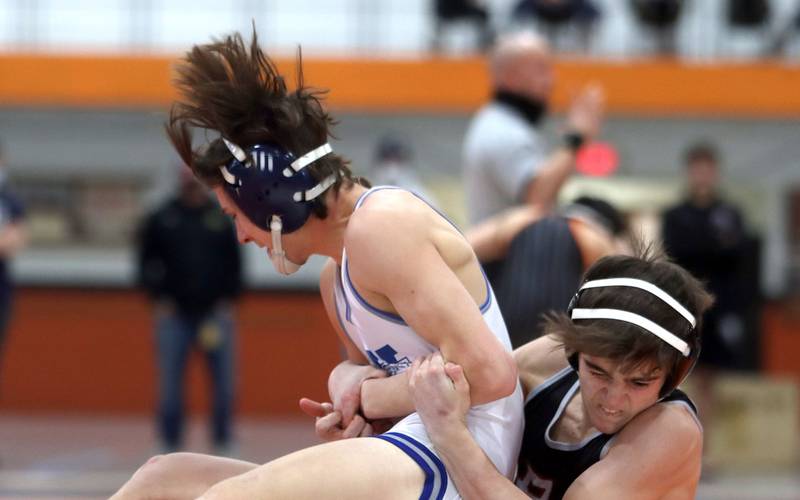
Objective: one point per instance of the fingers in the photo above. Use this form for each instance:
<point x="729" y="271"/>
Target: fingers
<point x="315" y="408"/>
<point x="327" y="427"/>
<point x="355" y="428"/>
<point x="587" y="110"/>
<point x="348" y="405"/>
<point x="592" y="94"/>
<point x="415" y="366"/>
<point x="456" y="374"/>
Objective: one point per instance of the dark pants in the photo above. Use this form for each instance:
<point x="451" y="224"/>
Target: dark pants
<point x="175" y="336"/>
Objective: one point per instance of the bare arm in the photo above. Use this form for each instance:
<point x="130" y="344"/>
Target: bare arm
<point x="441" y="396"/>
<point x="584" y="117"/>
<point x="404" y="265"/>
<point x="538" y="360"/>
<point x="656" y="455"/>
<point x="542" y="190"/>
<point x="344" y="381"/>
<point x="490" y="239"/>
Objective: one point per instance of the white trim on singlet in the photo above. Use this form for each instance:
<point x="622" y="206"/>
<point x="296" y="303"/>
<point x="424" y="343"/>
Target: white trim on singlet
<point x="390" y="316"/>
<point x="559" y="445"/>
<point x="552" y="379"/>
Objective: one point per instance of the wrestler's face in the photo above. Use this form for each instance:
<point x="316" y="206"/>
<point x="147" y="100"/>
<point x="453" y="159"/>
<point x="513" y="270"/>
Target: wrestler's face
<point x="248" y="232"/>
<point x="611" y="396"/>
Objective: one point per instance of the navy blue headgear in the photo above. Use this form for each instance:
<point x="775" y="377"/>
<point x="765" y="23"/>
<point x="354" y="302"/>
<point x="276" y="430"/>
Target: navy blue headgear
<point x="266" y="180"/>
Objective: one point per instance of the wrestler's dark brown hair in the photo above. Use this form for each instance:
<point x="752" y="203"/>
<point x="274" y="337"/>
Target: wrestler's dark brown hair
<point x="236" y="91"/>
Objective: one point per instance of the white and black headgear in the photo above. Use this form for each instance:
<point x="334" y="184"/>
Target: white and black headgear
<point x="688" y="343"/>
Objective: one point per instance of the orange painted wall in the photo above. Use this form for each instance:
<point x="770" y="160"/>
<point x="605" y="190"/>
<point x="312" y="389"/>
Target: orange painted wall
<point x="79" y="351"/>
<point x="657" y="87"/>
<point x="92" y="352"/>
<point x="781" y="343"/>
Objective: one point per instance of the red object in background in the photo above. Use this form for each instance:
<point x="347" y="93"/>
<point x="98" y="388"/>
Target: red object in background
<point x="597" y="159"/>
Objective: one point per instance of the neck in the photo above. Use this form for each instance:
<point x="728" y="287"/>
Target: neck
<point x="533" y="110"/>
<point x="702" y="199"/>
<point x="340" y="208"/>
<point x="584" y="427"/>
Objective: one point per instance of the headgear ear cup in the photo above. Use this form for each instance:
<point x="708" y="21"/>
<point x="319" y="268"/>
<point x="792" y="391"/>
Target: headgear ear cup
<point x="685" y="366"/>
<point x="573" y="357"/>
<point x="269" y="183"/>
<point x="275" y="191"/>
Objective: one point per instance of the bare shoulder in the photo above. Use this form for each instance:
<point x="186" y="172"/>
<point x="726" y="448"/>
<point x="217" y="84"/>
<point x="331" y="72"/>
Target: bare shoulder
<point x="385" y="214"/>
<point x="671" y="422"/>
<point x="538" y="360"/>
<point x="664" y="442"/>
<point x="386" y="232"/>
<point x="664" y="439"/>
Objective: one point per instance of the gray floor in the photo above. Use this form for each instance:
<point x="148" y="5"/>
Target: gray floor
<point x="48" y="457"/>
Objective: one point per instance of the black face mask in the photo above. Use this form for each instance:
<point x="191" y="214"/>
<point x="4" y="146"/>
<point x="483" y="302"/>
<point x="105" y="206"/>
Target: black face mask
<point x="533" y="110"/>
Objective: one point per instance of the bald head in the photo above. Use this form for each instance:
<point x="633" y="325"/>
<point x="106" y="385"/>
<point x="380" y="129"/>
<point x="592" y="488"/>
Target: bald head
<point x="522" y="63"/>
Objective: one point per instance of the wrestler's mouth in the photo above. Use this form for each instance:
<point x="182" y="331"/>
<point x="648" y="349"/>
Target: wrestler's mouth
<point x="610" y="413"/>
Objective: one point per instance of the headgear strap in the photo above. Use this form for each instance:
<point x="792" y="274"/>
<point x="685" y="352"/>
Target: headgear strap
<point x="637" y="320"/>
<point x="643" y="285"/>
<point x="640" y="321"/>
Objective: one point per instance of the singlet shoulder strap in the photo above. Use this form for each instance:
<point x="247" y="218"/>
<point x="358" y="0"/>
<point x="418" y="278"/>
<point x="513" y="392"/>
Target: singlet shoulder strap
<point x="551" y="380"/>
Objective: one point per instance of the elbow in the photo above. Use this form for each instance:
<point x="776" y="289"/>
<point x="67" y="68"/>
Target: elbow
<point x="500" y="379"/>
<point x="507" y="383"/>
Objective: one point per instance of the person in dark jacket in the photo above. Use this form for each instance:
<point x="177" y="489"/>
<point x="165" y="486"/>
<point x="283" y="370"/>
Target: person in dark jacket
<point x="706" y="235"/>
<point x="190" y="266"/>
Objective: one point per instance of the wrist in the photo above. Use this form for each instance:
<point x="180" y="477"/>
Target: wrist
<point x="447" y="434"/>
<point x="573" y="140"/>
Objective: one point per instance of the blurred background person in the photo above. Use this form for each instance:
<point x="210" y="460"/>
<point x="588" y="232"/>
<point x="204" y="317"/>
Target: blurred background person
<point x="506" y="161"/>
<point x="13" y="238"/>
<point x="558" y="17"/>
<point x="472" y="12"/>
<point x="544" y="256"/>
<point x="660" y="19"/>
<point x="190" y="266"/>
<point x="393" y="165"/>
<point x="86" y="155"/>
<point x="705" y="234"/>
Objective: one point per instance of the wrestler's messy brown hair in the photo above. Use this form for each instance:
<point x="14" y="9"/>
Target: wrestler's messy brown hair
<point x="624" y="342"/>
<point x="234" y="91"/>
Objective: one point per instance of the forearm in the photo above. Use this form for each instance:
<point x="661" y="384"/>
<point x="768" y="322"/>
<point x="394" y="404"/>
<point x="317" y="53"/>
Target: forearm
<point x="386" y="397"/>
<point x="490" y="240"/>
<point x="390" y="397"/>
<point x="544" y="188"/>
<point x="468" y="466"/>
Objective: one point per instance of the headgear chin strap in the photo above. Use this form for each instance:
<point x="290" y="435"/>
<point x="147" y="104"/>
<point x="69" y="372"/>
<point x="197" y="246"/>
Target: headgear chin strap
<point x="274" y="190"/>
<point x="280" y="261"/>
<point x="688" y="347"/>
